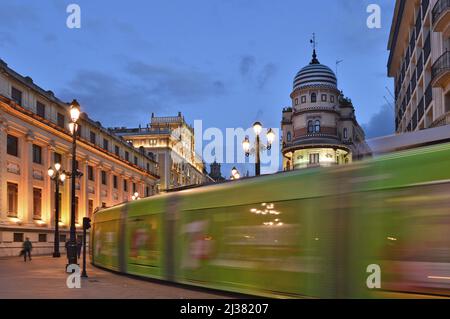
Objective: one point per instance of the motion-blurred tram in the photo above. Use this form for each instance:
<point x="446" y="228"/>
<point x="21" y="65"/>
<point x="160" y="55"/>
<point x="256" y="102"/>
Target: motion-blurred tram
<point x="308" y="233"/>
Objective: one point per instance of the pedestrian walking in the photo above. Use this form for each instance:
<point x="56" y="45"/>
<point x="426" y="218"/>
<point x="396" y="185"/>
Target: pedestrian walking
<point x="79" y="246"/>
<point x="27" y="247"/>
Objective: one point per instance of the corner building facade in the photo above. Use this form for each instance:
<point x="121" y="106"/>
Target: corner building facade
<point x="34" y="135"/>
<point x="419" y="62"/>
<point x="172" y="141"/>
<point x="320" y="128"/>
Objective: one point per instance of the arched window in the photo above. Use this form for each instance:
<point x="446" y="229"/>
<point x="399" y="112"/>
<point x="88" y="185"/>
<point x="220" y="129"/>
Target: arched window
<point x="310" y="127"/>
<point x="313" y="97"/>
<point x="288" y="136"/>
<point x="317" y="126"/>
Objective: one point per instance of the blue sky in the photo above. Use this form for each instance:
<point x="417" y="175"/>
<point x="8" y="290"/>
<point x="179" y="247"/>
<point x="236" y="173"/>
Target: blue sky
<point x="227" y="62"/>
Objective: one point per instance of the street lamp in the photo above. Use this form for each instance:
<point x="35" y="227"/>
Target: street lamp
<point x="235" y="173"/>
<point x="58" y="176"/>
<point x="257" y="128"/>
<point x="73" y="126"/>
<point x="135" y="196"/>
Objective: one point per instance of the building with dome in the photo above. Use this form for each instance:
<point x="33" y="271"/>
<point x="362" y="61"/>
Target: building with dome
<point x="320" y="128"/>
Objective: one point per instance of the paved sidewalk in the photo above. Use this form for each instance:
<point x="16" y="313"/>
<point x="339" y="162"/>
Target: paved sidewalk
<point x="45" y="277"/>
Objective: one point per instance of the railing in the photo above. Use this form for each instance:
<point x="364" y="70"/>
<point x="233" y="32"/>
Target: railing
<point x="427" y="48"/>
<point x="413" y="82"/>
<point x="420" y="109"/>
<point x="412" y="42"/>
<point x="428" y="96"/>
<point x="414" y="120"/>
<point x="425" y="4"/>
<point x="442" y="120"/>
<point x="440" y="7"/>
<point x="441" y="65"/>
<point x="419" y="66"/>
<point x="408" y="94"/>
<point x="418" y="24"/>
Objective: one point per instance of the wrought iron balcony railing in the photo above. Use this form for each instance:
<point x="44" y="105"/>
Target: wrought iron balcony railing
<point x="441" y="65"/>
<point x="439" y="8"/>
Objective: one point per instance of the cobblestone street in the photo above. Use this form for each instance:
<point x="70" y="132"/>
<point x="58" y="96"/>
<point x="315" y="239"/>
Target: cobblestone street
<point x="45" y="277"/>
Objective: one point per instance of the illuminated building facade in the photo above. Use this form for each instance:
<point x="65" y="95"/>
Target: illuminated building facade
<point x="419" y="62"/>
<point x="320" y="128"/>
<point x="172" y="142"/>
<point x="34" y="135"/>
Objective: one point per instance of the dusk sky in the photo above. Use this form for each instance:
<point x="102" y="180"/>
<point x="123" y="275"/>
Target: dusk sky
<point x="227" y="62"/>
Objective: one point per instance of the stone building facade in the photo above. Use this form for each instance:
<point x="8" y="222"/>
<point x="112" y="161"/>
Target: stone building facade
<point x="320" y="128"/>
<point x="34" y="135"/>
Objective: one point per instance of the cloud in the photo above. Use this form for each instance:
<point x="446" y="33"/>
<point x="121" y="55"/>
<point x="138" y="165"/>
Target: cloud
<point x="381" y="123"/>
<point x="13" y="15"/>
<point x="247" y="64"/>
<point x="248" y="67"/>
<point x="110" y="99"/>
<point x="185" y="85"/>
<point x="128" y="97"/>
<point x="267" y="73"/>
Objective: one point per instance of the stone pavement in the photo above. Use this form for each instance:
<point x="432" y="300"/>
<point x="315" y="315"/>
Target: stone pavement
<point x="45" y="277"/>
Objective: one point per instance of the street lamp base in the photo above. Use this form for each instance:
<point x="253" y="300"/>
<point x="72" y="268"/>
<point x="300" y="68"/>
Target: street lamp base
<point x="84" y="275"/>
<point x="56" y="255"/>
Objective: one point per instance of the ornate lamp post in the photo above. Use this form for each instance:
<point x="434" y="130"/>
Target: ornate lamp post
<point x="257" y="128"/>
<point x="72" y="246"/>
<point x="58" y="176"/>
<point x="135" y="196"/>
<point x="235" y="173"/>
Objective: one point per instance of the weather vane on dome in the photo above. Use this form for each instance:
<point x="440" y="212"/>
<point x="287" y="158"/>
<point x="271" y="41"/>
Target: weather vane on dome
<point x="314" y="44"/>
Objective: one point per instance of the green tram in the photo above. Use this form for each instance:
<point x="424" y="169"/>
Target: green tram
<point x="310" y="233"/>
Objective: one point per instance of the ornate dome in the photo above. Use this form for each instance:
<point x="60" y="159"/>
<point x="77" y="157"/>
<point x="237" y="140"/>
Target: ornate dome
<point x="315" y="74"/>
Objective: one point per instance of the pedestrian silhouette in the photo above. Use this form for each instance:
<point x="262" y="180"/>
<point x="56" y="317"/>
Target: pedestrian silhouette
<point x="79" y="246"/>
<point x="27" y="247"/>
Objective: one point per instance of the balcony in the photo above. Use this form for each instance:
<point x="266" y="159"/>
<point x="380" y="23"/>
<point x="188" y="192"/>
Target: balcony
<point x="440" y="72"/>
<point x="427" y="48"/>
<point x="442" y="120"/>
<point x="428" y="96"/>
<point x="441" y="15"/>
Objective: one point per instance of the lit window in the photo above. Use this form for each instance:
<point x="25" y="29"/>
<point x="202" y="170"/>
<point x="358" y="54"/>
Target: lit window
<point x="13" y="190"/>
<point x="303" y="99"/>
<point x="16" y="95"/>
<point x="310" y="127"/>
<point x="40" y="109"/>
<point x="12" y="147"/>
<point x="37" y="154"/>
<point x="324" y="97"/>
<point x="37" y="203"/>
<point x="317" y="126"/>
<point x="314" y="158"/>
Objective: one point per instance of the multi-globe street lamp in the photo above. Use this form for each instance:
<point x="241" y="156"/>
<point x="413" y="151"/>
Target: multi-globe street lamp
<point x="135" y="196"/>
<point x="73" y="126"/>
<point x="235" y="173"/>
<point x="257" y="128"/>
<point x="58" y="176"/>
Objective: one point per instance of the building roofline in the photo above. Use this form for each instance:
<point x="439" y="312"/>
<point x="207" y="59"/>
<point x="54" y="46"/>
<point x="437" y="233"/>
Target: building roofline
<point x="28" y="81"/>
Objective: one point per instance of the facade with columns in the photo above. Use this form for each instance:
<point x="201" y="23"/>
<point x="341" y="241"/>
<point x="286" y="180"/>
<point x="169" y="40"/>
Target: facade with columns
<point x="34" y="135"/>
<point x="172" y="142"/>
